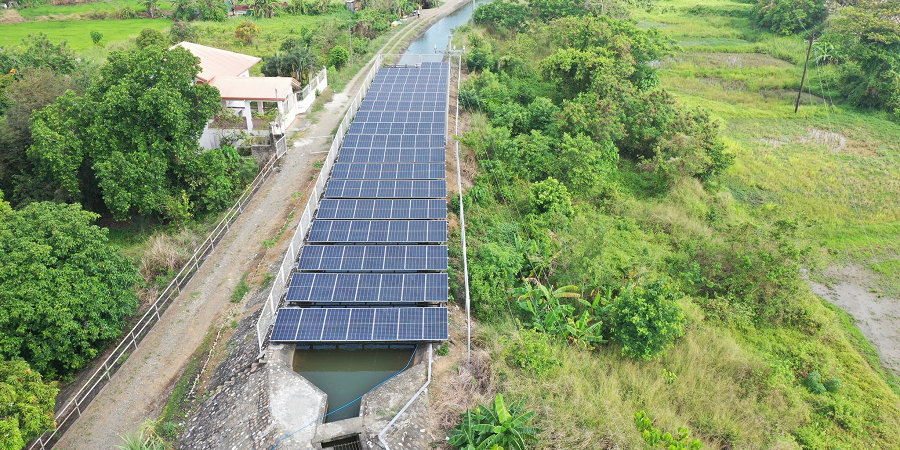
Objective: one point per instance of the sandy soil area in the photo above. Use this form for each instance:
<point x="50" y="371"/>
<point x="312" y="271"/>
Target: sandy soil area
<point x="854" y="289"/>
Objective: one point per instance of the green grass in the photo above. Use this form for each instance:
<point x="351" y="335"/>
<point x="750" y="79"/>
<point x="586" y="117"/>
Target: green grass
<point x="179" y="404"/>
<point x="106" y="6"/>
<point x="786" y="166"/>
<point x="78" y="34"/>
<point x="240" y="290"/>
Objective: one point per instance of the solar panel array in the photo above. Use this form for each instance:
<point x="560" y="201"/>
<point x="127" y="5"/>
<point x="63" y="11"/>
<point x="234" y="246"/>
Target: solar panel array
<point x="374" y="268"/>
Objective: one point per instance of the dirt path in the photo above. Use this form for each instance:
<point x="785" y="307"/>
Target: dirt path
<point x="855" y="290"/>
<point x="141" y="387"/>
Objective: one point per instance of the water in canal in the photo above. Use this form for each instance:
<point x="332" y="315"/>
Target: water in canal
<point x="438" y="34"/>
<point x="345" y="372"/>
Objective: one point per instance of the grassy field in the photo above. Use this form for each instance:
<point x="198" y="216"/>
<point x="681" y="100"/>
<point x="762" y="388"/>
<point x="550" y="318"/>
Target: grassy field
<point x="51" y="12"/>
<point x="78" y="33"/>
<point x="836" y="169"/>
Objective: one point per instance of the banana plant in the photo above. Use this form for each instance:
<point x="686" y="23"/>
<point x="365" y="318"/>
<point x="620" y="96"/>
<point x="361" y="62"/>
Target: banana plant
<point x="494" y="428"/>
<point x="585" y="331"/>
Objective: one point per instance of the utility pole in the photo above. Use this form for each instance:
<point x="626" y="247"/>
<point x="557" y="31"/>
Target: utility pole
<point x="812" y="37"/>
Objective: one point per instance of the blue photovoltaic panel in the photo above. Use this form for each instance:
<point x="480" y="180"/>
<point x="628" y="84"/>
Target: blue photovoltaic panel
<point x="383" y="141"/>
<point x="389" y="171"/>
<point x="378" y="231"/>
<point x="392" y="155"/>
<point x="362" y="324"/>
<point x="382" y="209"/>
<point x="373" y="258"/>
<point x="348" y="288"/>
<point x="386" y="189"/>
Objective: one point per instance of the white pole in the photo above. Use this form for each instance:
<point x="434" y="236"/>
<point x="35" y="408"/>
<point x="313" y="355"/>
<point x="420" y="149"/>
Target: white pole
<point x="462" y="222"/>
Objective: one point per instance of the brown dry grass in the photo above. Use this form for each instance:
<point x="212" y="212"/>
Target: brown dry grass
<point x="165" y="256"/>
<point x="11" y="16"/>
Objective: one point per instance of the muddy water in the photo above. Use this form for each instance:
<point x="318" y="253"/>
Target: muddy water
<point x="346" y="372"/>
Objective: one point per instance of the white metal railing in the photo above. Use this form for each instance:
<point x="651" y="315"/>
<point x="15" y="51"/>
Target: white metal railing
<point x="279" y="284"/>
<point x="83" y="397"/>
<point x="313" y="84"/>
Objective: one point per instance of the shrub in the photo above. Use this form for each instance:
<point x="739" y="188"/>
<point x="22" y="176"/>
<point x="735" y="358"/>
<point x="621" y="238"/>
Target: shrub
<point x="646" y="319"/>
<point x="246" y="31"/>
<point x="550" y="196"/>
<point x="338" y="57"/>
<point x="149" y="36"/>
<point x="655" y="438"/>
<point x="182" y="31"/>
<point x="530" y="353"/>
<point x="96" y="36"/>
<point x="813" y="383"/>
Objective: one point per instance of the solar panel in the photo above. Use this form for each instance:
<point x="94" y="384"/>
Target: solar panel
<point x="331" y="208"/>
<point x="361" y="324"/>
<point x="388" y="171"/>
<point x="355" y="288"/>
<point x="373" y="258"/>
<point x="391" y="155"/>
<point x="375" y="231"/>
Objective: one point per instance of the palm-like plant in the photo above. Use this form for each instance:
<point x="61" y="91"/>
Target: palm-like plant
<point x="496" y="427"/>
<point x="151" y="5"/>
<point x="264" y="8"/>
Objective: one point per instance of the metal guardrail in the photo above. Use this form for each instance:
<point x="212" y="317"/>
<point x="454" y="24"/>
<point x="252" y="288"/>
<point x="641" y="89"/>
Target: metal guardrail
<point x="92" y="386"/>
<point x="279" y="284"/>
<point x="310" y="88"/>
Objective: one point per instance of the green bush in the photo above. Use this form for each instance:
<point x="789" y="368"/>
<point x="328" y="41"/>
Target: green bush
<point x="550" y="196"/>
<point x="338" y="56"/>
<point x="646" y="319"/>
<point x="530" y="353"/>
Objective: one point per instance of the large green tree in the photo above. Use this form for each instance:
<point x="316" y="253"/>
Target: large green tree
<point x="26" y="404"/>
<point x="867" y="40"/>
<point x="130" y="144"/>
<point x="64" y="291"/>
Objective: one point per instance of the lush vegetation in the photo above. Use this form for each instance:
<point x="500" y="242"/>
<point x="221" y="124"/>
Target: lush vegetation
<point x="629" y="251"/>
<point x="27" y="404"/>
<point x="65" y="291"/>
<point x="494" y="427"/>
<point x="130" y="144"/>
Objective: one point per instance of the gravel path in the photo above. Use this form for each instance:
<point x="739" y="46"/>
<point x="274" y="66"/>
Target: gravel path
<point x="140" y="389"/>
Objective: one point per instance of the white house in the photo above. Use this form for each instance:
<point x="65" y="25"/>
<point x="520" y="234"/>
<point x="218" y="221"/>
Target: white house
<point x="250" y="103"/>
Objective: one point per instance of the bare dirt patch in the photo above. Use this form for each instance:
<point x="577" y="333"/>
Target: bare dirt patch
<point x="838" y="143"/>
<point x="11" y="16"/>
<point x="855" y="290"/>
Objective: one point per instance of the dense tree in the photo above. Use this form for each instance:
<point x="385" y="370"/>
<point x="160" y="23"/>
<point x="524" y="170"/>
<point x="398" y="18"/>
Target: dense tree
<point x="64" y="290"/>
<point x="130" y="144"/>
<point x="26" y="404"/>
<point x="866" y="37"/>
<point x="35" y="89"/>
<point x="502" y="13"/>
<point x="149" y="36"/>
<point x="790" y="16"/>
